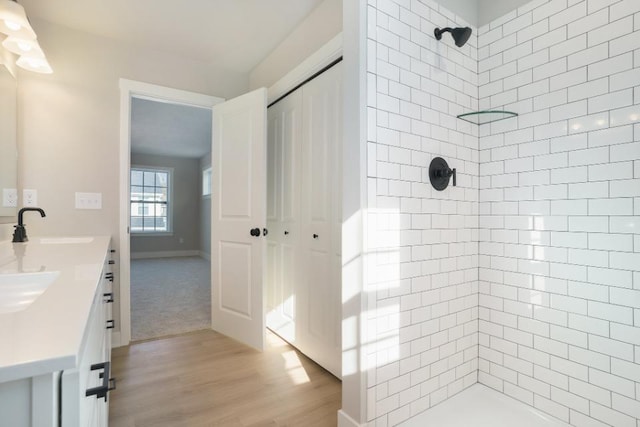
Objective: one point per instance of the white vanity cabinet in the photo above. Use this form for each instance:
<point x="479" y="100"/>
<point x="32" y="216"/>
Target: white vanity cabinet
<point x="59" y="348"/>
<point x="85" y="389"/>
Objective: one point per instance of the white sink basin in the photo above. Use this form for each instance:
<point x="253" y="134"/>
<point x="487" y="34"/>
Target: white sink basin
<point x="65" y="240"/>
<point x="19" y="290"/>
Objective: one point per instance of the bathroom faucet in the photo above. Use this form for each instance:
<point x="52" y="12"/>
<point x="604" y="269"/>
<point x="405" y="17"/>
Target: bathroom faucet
<point x="20" y="233"/>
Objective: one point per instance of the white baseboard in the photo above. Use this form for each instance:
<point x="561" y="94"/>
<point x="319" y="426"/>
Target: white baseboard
<point x="205" y="255"/>
<point x="345" y="420"/>
<point x="116" y="340"/>
<point x="163" y="254"/>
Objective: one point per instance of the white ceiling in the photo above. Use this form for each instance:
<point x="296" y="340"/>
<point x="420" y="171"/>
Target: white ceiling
<point x="236" y="34"/>
<point x="172" y="130"/>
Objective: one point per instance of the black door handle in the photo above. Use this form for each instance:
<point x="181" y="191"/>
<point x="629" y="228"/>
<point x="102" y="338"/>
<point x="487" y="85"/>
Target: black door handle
<point x="286" y="232"/>
<point x="111" y="324"/>
<point x="108" y="297"/>
<point x="265" y="231"/>
<point x="315" y="236"/>
<point x="255" y="232"/>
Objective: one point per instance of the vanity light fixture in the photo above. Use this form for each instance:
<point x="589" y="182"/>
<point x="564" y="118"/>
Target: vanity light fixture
<point x="21" y="39"/>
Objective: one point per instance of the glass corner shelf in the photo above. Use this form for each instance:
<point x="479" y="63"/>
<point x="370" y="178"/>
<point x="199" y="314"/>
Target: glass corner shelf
<point x="487" y="116"/>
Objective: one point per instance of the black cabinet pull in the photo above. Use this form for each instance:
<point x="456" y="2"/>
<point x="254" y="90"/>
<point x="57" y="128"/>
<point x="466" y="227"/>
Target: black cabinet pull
<point x="286" y="232"/>
<point x="111" y="262"/>
<point x="255" y="232"/>
<point x="113" y="251"/>
<point x="111" y="324"/>
<point x="108" y="297"/>
<point x="265" y="231"/>
<point x="102" y="390"/>
<point x="109" y="277"/>
<point x="315" y="236"/>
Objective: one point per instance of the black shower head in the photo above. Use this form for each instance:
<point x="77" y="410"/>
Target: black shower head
<point x="460" y="35"/>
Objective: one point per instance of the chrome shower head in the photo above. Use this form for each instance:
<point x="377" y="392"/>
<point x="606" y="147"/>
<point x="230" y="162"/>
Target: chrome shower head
<point x="460" y="34"/>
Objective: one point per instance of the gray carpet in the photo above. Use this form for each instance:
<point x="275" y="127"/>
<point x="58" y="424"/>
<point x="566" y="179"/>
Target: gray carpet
<point x="169" y="296"/>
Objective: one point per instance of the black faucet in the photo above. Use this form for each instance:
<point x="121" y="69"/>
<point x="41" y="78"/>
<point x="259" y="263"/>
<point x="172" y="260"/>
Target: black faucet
<point x="20" y="233"/>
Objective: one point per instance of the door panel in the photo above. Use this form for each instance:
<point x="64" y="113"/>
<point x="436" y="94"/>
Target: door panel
<point x="306" y="146"/>
<point x="284" y="229"/>
<point x="235" y="273"/>
<point x="236" y="172"/>
<point x="320" y="286"/>
<point x="238" y="206"/>
<point x="274" y="129"/>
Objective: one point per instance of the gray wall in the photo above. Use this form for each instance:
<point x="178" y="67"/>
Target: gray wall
<point x="186" y="206"/>
<point x="205" y="212"/>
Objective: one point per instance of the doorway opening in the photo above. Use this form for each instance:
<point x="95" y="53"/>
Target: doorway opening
<point x="170" y="270"/>
<point x="165" y="230"/>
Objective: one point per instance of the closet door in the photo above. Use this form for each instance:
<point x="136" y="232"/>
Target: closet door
<point x="283" y="214"/>
<point x="320" y="243"/>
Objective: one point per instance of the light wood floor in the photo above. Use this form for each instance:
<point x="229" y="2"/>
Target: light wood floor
<point x="206" y="379"/>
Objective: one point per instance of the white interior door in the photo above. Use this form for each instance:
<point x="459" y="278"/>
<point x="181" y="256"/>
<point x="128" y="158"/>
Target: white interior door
<point x="320" y="287"/>
<point x="238" y="209"/>
<point x="283" y="213"/>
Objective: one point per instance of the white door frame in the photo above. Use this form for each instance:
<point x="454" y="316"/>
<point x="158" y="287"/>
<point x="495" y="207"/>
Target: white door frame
<point x="134" y="89"/>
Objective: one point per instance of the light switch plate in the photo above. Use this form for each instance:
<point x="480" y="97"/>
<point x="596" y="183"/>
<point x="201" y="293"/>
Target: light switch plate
<point x="88" y="200"/>
<point x="9" y="198"/>
<point x="30" y="197"/>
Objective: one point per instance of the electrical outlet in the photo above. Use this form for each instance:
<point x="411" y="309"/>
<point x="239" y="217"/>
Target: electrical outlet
<point x="88" y="200"/>
<point x="29" y="197"/>
<point x="9" y="198"/>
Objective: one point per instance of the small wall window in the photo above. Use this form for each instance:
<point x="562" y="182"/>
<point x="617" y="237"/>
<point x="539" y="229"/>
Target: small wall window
<point x="150" y="200"/>
<point x="206" y="182"/>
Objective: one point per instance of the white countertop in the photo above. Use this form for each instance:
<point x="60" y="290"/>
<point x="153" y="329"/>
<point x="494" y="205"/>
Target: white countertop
<point x="47" y="335"/>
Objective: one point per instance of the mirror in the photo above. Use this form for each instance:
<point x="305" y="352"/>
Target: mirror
<point x="8" y="137"/>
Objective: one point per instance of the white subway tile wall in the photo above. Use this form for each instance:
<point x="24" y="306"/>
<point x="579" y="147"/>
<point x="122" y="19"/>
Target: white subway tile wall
<point x="423" y="244"/>
<point x="559" y="302"/>
<point x="526" y="276"/>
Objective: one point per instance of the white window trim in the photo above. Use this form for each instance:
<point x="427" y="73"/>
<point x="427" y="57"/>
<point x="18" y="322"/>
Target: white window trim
<point x="206" y="196"/>
<point x="168" y="233"/>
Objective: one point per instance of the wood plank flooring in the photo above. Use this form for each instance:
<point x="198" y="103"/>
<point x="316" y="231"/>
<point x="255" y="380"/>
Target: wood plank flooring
<point x="206" y="379"/>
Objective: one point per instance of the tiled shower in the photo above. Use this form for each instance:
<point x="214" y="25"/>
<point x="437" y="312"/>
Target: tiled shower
<point x="524" y="277"/>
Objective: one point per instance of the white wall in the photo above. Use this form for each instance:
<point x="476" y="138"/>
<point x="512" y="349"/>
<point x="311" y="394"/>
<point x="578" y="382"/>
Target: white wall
<point x="489" y="10"/>
<point x="322" y="24"/>
<point x="560" y="210"/>
<point x="422" y="244"/>
<point x="465" y="9"/>
<point x="68" y="126"/>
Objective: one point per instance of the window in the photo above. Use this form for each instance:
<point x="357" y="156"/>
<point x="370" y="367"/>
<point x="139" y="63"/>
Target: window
<point x="150" y="200"/>
<point x="206" y="182"/>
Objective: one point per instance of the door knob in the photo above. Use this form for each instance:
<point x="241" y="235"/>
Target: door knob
<point x="315" y="236"/>
<point x="255" y="232"/>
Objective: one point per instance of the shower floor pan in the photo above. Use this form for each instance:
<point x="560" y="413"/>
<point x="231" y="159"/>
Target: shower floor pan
<point x="481" y="406"/>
